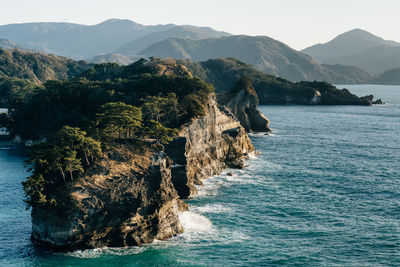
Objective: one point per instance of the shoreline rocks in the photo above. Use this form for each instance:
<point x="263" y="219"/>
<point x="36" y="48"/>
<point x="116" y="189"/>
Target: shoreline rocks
<point x="133" y="199"/>
<point x="126" y="204"/>
<point x="211" y="143"/>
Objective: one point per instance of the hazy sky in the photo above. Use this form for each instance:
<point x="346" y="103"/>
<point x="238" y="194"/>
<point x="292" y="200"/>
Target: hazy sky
<point x="298" y="23"/>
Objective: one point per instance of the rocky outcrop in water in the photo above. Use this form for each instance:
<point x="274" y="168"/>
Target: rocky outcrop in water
<point x="131" y="201"/>
<point x="133" y="198"/>
<point x="205" y="147"/>
<point x="242" y="101"/>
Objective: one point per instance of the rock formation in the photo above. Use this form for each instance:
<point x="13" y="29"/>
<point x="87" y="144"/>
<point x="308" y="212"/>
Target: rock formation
<point x="242" y="101"/>
<point x="205" y="147"/>
<point x="133" y="198"/>
<point x="378" y="102"/>
<point x="129" y="202"/>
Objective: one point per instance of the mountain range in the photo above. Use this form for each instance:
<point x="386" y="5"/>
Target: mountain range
<point x="390" y="77"/>
<point x="358" y="48"/>
<point x="7" y="44"/>
<point x="351" y="58"/>
<point x="185" y="32"/>
<point x="20" y="71"/>
<point x="82" y="41"/>
<point x="263" y="53"/>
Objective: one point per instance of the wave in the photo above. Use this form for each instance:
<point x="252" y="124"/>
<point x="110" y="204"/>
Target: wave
<point x="212" y="208"/>
<point x="194" y="222"/>
<point x="199" y="229"/>
<point x="98" y="252"/>
<point x="253" y="155"/>
<point x="250" y="175"/>
<point x="259" y="134"/>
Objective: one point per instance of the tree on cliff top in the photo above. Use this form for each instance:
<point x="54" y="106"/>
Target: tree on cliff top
<point x="68" y="151"/>
<point x="121" y="118"/>
<point x="160" y="108"/>
<point x="162" y="134"/>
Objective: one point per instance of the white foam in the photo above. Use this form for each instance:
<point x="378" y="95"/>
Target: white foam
<point x="212" y="208"/>
<point x="210" y="187"/>
<point x="89" y="253"/>
<point x="253" y="155"/>
<point x="199" y="229"/>
<point x="98" y="252"/>
<point x="259" y="134"/>
<point x="193" y="222"/>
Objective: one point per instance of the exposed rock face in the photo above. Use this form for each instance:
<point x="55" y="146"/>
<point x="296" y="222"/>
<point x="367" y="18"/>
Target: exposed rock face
<point x="205" y="147"/>
<point x="242" y="101"/>
<point x="130" y="203"/>
<point x="132" y="199"/>
<point x="378" y="102"/>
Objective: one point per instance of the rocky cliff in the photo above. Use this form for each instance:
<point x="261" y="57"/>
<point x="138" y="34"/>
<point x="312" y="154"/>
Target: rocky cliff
<point x="205" y="147"/>
<point x="242" y="101"/>
<point x="129" y="201"/>
<point x="132" y="198"/>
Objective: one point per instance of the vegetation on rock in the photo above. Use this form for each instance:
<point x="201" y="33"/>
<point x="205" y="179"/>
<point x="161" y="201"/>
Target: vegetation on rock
<point x="64" y="155"/>
<point x="38" y="67"/>
<point x="225" y="73"/>
<point x="79" y="121"/>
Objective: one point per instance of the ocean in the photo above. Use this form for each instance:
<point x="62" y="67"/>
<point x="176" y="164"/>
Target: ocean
<point x="324" y="190"/>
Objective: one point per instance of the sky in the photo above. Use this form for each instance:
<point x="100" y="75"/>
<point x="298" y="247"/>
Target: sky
<point x="298" y="23"/>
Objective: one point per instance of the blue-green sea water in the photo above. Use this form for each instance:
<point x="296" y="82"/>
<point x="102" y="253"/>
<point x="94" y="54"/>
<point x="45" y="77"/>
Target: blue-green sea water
<point x="324" y="191"/>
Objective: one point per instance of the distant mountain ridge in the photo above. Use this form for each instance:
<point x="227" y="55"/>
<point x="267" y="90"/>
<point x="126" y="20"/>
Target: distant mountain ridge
<point x="264" y="53"/>
<point x="82" y="41"/>
<point x="185" y="32"/>
<point x="358" y="48"/>
<point x="389" y="77"/>
<point x="7" y="44"/>
<point x="351" y="57"/>
<point x="114" y="58"/>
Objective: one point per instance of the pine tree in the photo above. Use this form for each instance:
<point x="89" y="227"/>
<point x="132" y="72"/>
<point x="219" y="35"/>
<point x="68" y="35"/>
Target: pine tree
<point x="120" y="118"/>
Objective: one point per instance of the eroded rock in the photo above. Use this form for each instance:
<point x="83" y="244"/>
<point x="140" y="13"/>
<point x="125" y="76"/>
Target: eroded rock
<point x="133" y="198"/>
<point x="131" y="203"/>
<point x="242" y="102"/>
<point x="212" y="143"/>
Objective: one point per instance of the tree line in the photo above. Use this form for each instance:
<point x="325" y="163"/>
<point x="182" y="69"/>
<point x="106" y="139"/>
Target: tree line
<point x="75" y="123"/>
<point x="70" y="152"/>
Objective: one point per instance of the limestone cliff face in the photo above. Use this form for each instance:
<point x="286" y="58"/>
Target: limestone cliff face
<point x="131" y="202"/>
<point x="242" y="101"/>
<point x="205" y="147"/>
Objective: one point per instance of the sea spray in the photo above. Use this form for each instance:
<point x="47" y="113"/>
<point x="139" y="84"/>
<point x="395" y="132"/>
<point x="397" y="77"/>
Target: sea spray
<point x="193" y="222"/>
